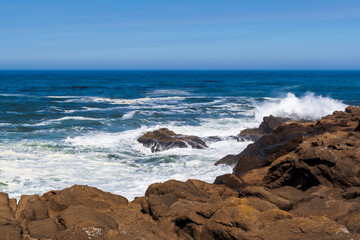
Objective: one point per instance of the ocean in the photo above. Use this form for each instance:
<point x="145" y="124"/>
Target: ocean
<point x="60" y="128"/>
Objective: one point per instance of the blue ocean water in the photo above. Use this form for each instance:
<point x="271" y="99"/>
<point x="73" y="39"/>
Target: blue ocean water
<point x="60" y="128"/>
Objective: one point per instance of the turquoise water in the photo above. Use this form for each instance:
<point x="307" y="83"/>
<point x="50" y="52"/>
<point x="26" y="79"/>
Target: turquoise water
<point x="60" y="128"/>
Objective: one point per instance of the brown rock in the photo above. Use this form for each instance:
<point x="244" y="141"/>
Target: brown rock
<point x="31" y="208"/>
<point x="5" y="210"/>
<point x="45" y="228"/>
<point x="9" y="227"/>
<point x="82" y="195"/>
<point x="268" y="125"/>
<point x="266" y="194"/>
<point x="10" y="232"/>
<point x="334" y="162"/>
<point x="81" y="216"/>
<point x="87" y="233"/>
<point x="229" y="180"/>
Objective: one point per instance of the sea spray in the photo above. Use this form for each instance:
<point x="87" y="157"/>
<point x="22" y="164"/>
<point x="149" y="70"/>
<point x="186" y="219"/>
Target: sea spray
<point x="308" y="107"/>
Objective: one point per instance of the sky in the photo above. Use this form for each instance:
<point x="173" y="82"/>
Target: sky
<point x="182" y="34"/>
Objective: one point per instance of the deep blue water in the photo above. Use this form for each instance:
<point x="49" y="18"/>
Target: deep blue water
<point x="64" y="127"/>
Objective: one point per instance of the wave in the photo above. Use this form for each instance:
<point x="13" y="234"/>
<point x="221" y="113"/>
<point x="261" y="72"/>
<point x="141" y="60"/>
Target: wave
<point x="52" y="121"/>
<point x="169" y="92"/>
<point x="13" y="95"/>
<point x="128" y="115"/>
<point x="308" y="107"/>
<point x="124" y="101"/>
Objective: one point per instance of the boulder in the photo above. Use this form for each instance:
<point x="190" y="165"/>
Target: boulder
<point x="164" y="139"/>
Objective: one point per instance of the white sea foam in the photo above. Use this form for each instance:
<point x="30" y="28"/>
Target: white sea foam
<point x="309" y="107"/>
<point x="58" y="120"/>
<point x="125" y="101"/>
<point x="128" y="115"/>
<point x="13" y="95"/>
<point x="116" y="162"/>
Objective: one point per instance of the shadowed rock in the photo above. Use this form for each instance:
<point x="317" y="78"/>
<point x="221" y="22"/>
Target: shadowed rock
<point x="164" y="139"/>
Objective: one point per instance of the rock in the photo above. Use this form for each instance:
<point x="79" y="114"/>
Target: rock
<point x="268" y="125"/>
<point x="266" y="194"/>
<point x="10" y="232"/>
<point x="5" y="209"/>
<point x="229" y="180"/>
<point x="192" y="189"/>
<point x="81" y="216"/>
<point x="352" y="221"/>
<point x="81" y="195"/>
<point x="31" y="208"/>
<point x="45" y="228"/>
<point x="164" y="139"/>
<point x="9" y="228"/>
<point x="333" y="161"/>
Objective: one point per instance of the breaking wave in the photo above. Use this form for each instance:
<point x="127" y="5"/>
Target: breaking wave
<point x="308" y="107"/>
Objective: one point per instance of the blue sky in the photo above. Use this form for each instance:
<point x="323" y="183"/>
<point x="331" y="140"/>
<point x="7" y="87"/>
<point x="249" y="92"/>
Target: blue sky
<point x="197" y="34"/>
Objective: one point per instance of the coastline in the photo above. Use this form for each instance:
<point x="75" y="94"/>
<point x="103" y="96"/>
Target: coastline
<point x="302" y="183"/>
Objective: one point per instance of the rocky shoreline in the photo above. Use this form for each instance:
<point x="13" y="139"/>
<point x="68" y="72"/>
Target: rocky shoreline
<point x="298" y="180"/>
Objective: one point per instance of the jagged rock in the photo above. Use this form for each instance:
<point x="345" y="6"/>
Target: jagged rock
<point x="267" y="126"/>
<point x="329" y="159"/>
<point x="9" y="228"/>
<point x="164" y="139"/>
<point x="30" y="208"/>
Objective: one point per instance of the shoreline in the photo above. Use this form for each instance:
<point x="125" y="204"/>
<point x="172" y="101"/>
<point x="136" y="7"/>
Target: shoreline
<point x="298" y="181"/>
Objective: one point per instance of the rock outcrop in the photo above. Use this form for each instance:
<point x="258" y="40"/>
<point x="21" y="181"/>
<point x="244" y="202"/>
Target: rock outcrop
<point x="267" y="126"/>
<point x="164" y="139"/>
<point x="302" y="181"/>
<point x="184" y="210"/>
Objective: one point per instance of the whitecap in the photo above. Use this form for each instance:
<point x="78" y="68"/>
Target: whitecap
<point x="308" y="107"/>
<point x="128" y="115"/>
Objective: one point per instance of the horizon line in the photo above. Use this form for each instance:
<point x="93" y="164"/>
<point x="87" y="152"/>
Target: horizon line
<point x="179" y="69"/>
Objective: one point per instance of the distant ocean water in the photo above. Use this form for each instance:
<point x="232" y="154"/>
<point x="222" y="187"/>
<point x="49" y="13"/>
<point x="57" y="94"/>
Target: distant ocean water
<point x="60" y="128"/>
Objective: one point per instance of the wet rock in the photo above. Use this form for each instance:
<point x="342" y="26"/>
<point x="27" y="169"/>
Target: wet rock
<point x="164" y="139"/>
